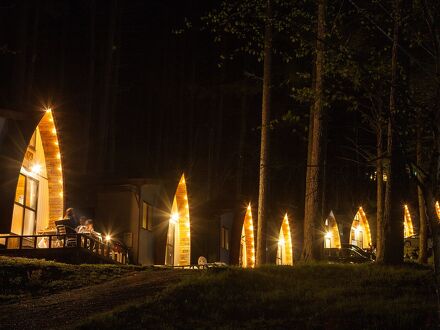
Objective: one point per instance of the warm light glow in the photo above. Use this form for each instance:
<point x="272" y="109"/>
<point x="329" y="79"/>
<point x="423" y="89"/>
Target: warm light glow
<point x="331" y="232"/>
<point x="284" y="250"/>
<point x="48" y="110"/>
<point x="247" y="252"/>
<point x="108" y="238"/>
<point x="408" y="229"/>
<point x="56" y="143"/>
<point x="360" y="230"/>
<point x="174" y="218"/>
<point x="58" y="156"/>
<point x="36" y="169"/>
<point x="178" y="248"/>
<point x="54" y="131"/>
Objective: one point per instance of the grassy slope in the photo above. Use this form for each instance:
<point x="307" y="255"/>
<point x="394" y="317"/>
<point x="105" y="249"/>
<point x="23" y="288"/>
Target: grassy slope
<point x="20" y="277"/>
<point x="307" y="296"/>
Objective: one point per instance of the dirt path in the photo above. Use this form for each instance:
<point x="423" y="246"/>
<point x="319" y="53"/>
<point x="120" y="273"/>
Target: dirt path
<point x="67" y="309"/>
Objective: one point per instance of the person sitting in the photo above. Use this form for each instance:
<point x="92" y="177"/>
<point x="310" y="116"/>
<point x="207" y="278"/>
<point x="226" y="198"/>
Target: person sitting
<point x="82" y="225"/>
<point x="91" y="230"/>
<point x="71" y="217"/>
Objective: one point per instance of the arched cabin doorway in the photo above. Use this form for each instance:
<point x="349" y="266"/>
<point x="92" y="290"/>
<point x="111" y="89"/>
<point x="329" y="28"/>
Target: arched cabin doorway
<point x="407" y="223"/>
<point x="39" y="198"/>
<point x="247" y="245"/>
<point x="178" y="248"/>
<point x="360" y="234"/>
<point x="331" y="236"/>
<point x="284" y="248"/>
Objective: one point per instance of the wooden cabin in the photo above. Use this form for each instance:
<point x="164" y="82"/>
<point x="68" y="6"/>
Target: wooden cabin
<point x="284" y="246"/>
<point x="332" y="238"/>
<point x="178" y="246"/>
<point x="360" y="234"/>
<point x="136" y="213"/>
<point x="407" y="222"/>
<point x="32" y="193"/>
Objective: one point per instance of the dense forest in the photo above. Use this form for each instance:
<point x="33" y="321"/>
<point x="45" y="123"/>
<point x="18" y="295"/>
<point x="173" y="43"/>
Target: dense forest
<point x="306" y="106"/>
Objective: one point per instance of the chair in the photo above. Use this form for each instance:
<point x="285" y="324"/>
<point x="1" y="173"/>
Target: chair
<point x="67" y="233"/>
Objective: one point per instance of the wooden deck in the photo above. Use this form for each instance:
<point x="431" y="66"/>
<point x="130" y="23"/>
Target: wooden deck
<point x="71" y="248"/>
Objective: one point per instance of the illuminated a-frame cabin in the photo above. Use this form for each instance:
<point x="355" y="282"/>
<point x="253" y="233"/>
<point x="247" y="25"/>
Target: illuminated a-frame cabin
<point x="407" y="222"/>
<point x="437" y="209"/>
<point x="32" y="195"/>
<point x="284" y="246"/>
<point x="360" y="234"/>
<point x="178" y="247"/>
<point x="247" y="243"/>
<point x="332" y="238"/>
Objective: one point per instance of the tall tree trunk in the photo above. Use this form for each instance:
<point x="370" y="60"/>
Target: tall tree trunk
<point x="313" y="218"/>
<point x="379" y="192"/>
<point x="423" y="230"/>
<point x="264" y="150"/>
<point x="393" y="210"/>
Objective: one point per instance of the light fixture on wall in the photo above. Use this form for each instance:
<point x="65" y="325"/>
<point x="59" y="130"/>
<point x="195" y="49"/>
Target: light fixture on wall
<point x="36" y="169"/>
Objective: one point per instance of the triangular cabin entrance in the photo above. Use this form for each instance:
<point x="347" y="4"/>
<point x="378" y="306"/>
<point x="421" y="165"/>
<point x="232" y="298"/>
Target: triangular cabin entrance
<point x="360" y="234"/>
<point x="178" y="249"/>
<point x="407" y="223"/>
<point x="331" y="236"/>
<point x="39" y="197"/>
<point x="284" y="249"/>
<point x="247" y="246"/>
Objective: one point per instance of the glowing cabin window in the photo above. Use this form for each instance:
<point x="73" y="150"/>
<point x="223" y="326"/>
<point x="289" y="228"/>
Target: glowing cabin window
<point x="360" y="234"/>
<point x="247" y="246"/>
<point x="332" y="238"/>
<point x="178" y="249"/>
<point x="407" y="222"/>
<point x="39" y="194"/>
<point x="284" y="248"/>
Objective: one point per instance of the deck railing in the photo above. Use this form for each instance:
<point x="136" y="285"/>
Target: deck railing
<point x="55" y="241"/>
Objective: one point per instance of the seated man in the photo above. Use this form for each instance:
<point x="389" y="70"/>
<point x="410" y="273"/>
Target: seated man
<point x="82" y="225"/>
<point x="90" y="230"/>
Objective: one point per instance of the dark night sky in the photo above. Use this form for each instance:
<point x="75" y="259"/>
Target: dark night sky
<point x="162" y="105"/>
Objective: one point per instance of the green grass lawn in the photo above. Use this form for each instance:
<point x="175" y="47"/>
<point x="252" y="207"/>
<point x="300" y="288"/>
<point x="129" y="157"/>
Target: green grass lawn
<point x="20" y="277"/>
<point x="304" y="296"/>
